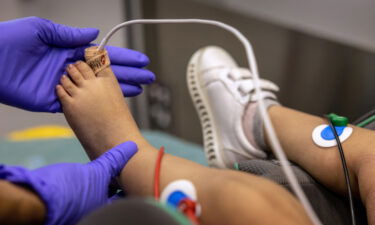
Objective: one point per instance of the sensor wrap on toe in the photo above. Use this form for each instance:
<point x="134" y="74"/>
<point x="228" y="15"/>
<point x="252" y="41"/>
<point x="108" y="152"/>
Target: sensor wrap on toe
<point x="97" y="59"/>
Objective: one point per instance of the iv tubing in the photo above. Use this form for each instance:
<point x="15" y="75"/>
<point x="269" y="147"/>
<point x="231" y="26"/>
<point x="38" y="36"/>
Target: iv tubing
<point x="274" y="142"/>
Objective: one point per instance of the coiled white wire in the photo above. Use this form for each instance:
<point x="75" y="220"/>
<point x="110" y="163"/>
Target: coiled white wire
<point x="274" y="142"/>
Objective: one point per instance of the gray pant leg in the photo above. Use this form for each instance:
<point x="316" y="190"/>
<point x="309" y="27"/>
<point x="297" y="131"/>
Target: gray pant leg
<point x="330" y="207"/>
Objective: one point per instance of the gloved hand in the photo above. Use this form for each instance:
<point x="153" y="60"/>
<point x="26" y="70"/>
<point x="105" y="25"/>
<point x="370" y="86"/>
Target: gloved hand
<point x="71" y="190"/>
<point x="34" y="53"/>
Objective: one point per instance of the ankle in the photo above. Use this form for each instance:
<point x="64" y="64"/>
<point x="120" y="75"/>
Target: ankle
<point x="253" y="124"/>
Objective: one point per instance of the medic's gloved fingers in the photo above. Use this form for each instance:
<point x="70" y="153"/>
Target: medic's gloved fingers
<point x="130" y="90"/>
<point x="71" y="190"/>
<point x="126" y="57"/>
<point x="14" y="174"/>
<point x="126" y="74"/>
<point x="55" y="107"/>
<point x="64" y="36"/>
<point x="113" y="161"/>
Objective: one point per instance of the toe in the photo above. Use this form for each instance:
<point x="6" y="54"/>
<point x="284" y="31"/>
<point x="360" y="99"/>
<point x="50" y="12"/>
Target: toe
<point x="75" y="75"/>
<point x="62" y="94"/>
<point x="74" y="72"/>
<point x="85" y="69"/>
<point x="68" y="85"/>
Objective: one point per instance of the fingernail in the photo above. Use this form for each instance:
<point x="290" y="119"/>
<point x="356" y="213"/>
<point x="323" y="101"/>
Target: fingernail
<point x="70" y="66"/>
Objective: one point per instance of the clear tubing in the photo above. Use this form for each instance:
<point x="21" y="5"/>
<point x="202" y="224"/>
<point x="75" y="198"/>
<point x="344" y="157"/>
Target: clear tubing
<point x="274" y="142"/>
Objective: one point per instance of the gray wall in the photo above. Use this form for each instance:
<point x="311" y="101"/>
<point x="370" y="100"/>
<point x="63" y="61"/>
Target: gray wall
<point x="345" y="21"/>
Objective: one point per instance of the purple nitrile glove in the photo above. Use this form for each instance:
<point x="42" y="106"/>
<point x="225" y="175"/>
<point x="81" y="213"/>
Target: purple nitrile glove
<point x="71" y="190"/>
<point x="34" y="53"/>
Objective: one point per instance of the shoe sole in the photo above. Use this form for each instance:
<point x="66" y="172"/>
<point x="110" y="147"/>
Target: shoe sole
<point x="199" y="97"/>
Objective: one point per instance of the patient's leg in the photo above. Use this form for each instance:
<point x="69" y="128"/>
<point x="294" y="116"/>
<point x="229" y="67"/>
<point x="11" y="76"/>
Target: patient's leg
<point x="294" y="130"/>
<point x="95" y="109"/>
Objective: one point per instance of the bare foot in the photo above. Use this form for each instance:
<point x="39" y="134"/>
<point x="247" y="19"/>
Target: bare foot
<point x="95" y="108"/>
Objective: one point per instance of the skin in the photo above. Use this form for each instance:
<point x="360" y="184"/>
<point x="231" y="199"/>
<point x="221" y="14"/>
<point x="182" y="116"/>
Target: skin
<point x="20" y="205"/>
<point x="98" y="114"/>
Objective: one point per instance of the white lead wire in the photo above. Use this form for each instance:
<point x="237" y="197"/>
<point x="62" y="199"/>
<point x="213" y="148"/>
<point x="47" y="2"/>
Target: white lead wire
<point x="274" y="142"/>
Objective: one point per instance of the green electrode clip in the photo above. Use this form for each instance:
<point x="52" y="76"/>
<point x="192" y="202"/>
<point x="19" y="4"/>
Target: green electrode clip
<point x="338" y="121"/>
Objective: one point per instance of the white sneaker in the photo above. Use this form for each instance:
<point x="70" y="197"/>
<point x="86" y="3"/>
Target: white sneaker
<point x="220" y="91"/>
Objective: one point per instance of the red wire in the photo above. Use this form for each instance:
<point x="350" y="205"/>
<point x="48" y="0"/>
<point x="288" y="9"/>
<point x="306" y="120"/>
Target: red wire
<point x="157" y="173"/>
<point x="188" y="207"/>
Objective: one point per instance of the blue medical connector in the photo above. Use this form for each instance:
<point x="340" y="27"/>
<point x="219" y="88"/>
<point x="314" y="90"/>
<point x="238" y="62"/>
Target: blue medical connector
<point x="175" y="198"/>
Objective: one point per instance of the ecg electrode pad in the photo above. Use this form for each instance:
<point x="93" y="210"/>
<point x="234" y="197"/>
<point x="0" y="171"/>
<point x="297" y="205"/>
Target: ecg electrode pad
<point x="323" y="135"/>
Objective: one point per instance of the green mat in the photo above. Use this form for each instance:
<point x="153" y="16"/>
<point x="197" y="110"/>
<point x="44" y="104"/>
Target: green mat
<point x="37" y="153"/>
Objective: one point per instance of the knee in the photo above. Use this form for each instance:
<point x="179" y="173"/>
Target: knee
<point x="252" y="198"/>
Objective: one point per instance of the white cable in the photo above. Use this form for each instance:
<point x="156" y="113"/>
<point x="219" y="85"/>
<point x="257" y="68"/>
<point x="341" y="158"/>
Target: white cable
<point x="274" y="142"/>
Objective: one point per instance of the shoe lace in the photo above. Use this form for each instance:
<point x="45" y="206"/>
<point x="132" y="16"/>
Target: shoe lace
<point x="242" y="79"/>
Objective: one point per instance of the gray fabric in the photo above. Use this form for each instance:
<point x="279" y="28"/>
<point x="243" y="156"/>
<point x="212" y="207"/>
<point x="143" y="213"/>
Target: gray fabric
<point x="370" y="126"/>
<point x="330" y="207"/>
<point x="130" y="211"/>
